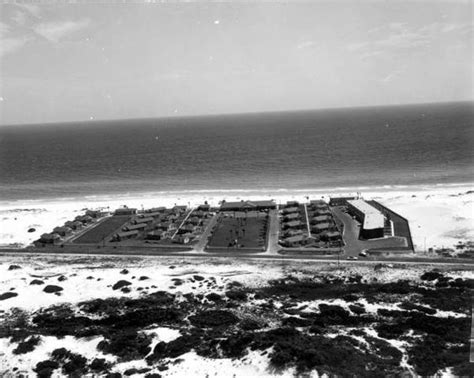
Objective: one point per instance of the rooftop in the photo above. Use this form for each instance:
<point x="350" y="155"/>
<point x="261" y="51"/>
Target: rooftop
<point x="373" y="218"/>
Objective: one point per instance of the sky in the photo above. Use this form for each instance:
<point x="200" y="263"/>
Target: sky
<point x="83" y="61"/>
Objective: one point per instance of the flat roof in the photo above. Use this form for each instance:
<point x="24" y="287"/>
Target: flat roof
<point x="248" y="204"/>
<point x="373" y="218"/>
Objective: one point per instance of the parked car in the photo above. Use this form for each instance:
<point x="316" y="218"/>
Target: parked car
<point x="363" y="253"/>
<point x="352" y="258"/>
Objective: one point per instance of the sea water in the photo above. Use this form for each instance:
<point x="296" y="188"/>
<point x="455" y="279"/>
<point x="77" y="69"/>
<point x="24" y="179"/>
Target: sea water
<point x="65" y="167"/>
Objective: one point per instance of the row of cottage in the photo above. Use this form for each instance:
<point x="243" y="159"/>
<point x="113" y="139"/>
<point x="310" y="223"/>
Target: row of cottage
<point x="70" y="227"/>
<point x="165" y="224"/>
<point x="320" y="226"/>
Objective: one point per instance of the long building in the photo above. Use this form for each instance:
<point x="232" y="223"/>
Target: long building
<point x="371" y="219"/>
<point x="247" y="205"/>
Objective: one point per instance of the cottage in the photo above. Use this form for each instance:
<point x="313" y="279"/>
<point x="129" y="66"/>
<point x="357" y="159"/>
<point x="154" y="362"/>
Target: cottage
<point x="182" y="239"/>
<point x="125" y="211"/>
<point x="320" y="227"/>
<point x="294" y="241"/>
<point x="293" y="224"/>
<point x="180" y="208"/>
<point x="160" y="210"/>
<point x="205" y="207"/>
<point x="289" y="210"/>
<point x="155" y="235"/>
<point x="77" y="225"/>
<point x="331" y="236"/>
<point x="125" y="235"/>
<point x="70" y="224"/>
<point x="292" y="216"/>
<point x="186" y="229"/>
<point x="291" y="232"/>
<point x="62" y="231"/>
<point x="163" y="226"/>
<point x="142" y="220"/>
<point x="50" y="238"/>
<point x="84" y="219"/>
<point x="194" y="220"/>
<point x="94" y="213"/>
<point x="321" y="219"/>
<point x="133" y="227"/>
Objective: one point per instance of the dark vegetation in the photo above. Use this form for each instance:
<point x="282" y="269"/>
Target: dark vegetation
<point x="27" y="345"/>
<point x="8" y="295"/>
<point x="216" y="326"/>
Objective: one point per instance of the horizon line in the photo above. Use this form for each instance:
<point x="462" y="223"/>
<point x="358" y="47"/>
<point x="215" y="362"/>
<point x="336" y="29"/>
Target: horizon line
<point x="174" y="117"/>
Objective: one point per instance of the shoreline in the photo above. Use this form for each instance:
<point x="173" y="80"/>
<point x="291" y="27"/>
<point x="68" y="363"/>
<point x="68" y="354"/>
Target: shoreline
<point x="440" y="216"/>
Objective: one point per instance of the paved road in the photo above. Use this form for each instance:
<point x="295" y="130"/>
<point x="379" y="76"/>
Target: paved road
<point x="276" y="257"/>
<point x="351" y="236"/>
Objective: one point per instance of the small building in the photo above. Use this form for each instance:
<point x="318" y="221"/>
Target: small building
<point x="372" y="220"/>
<point x="289" y="210"/>
<point x="84" y="219"/>
<point x="77" y="225"/>
<point x="321" y="219"/>
<point x="135" y="227"/>
<point x="125" y="211"/>
<point x="320" y="227"/>
<point x="293" y="224"/>
<point x="71" y="224"/>
<point x="163" y="226"/>
<point x="50" y="238"/>
<point x="340" y="201"/>
<point x="160" y="210"/>
<point x="205" y="207"/>
<point x="291" y="232"/>
<point x="62" y="231"/>
<point x="94" y="213"/>
<point x="183" y="239"/>
<point x="292" y="216"/>
<point x="186" y="229"/>
<point x="321" y="211"/>
<point x="194" y="220"/>
<point x="294" y="241"/>
<point x="155" y="214"/>
<point x="125" y="235"/>
<point x="155" y="235"/>
<point x="180" y="208"/>
<point x="331" y="236"/>
<point x="142" y="220"/>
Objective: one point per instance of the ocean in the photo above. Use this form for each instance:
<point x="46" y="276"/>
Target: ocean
<point x="390" y="146"/>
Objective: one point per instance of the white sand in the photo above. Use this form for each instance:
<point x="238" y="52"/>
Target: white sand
<point x="78" y="288"/>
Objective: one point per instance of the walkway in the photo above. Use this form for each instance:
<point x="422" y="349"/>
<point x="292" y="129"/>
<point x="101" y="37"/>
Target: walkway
<point x="307" y="220"/>
<point x="273" y="231"/>
<point x="203" y="239"/>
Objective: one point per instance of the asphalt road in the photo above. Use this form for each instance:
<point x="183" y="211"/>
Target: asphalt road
<point x="255" y="256"/>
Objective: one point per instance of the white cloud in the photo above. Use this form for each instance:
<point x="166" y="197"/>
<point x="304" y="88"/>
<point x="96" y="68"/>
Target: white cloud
<point x="10" y="45"/>
<point x="306" y="45"/>
<point x="392" y="75"/>
<point x="55" y="31"/>
<point x="32" y="9"/>
<point x="19" y="17"/>
<point x="398" y="36"/>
